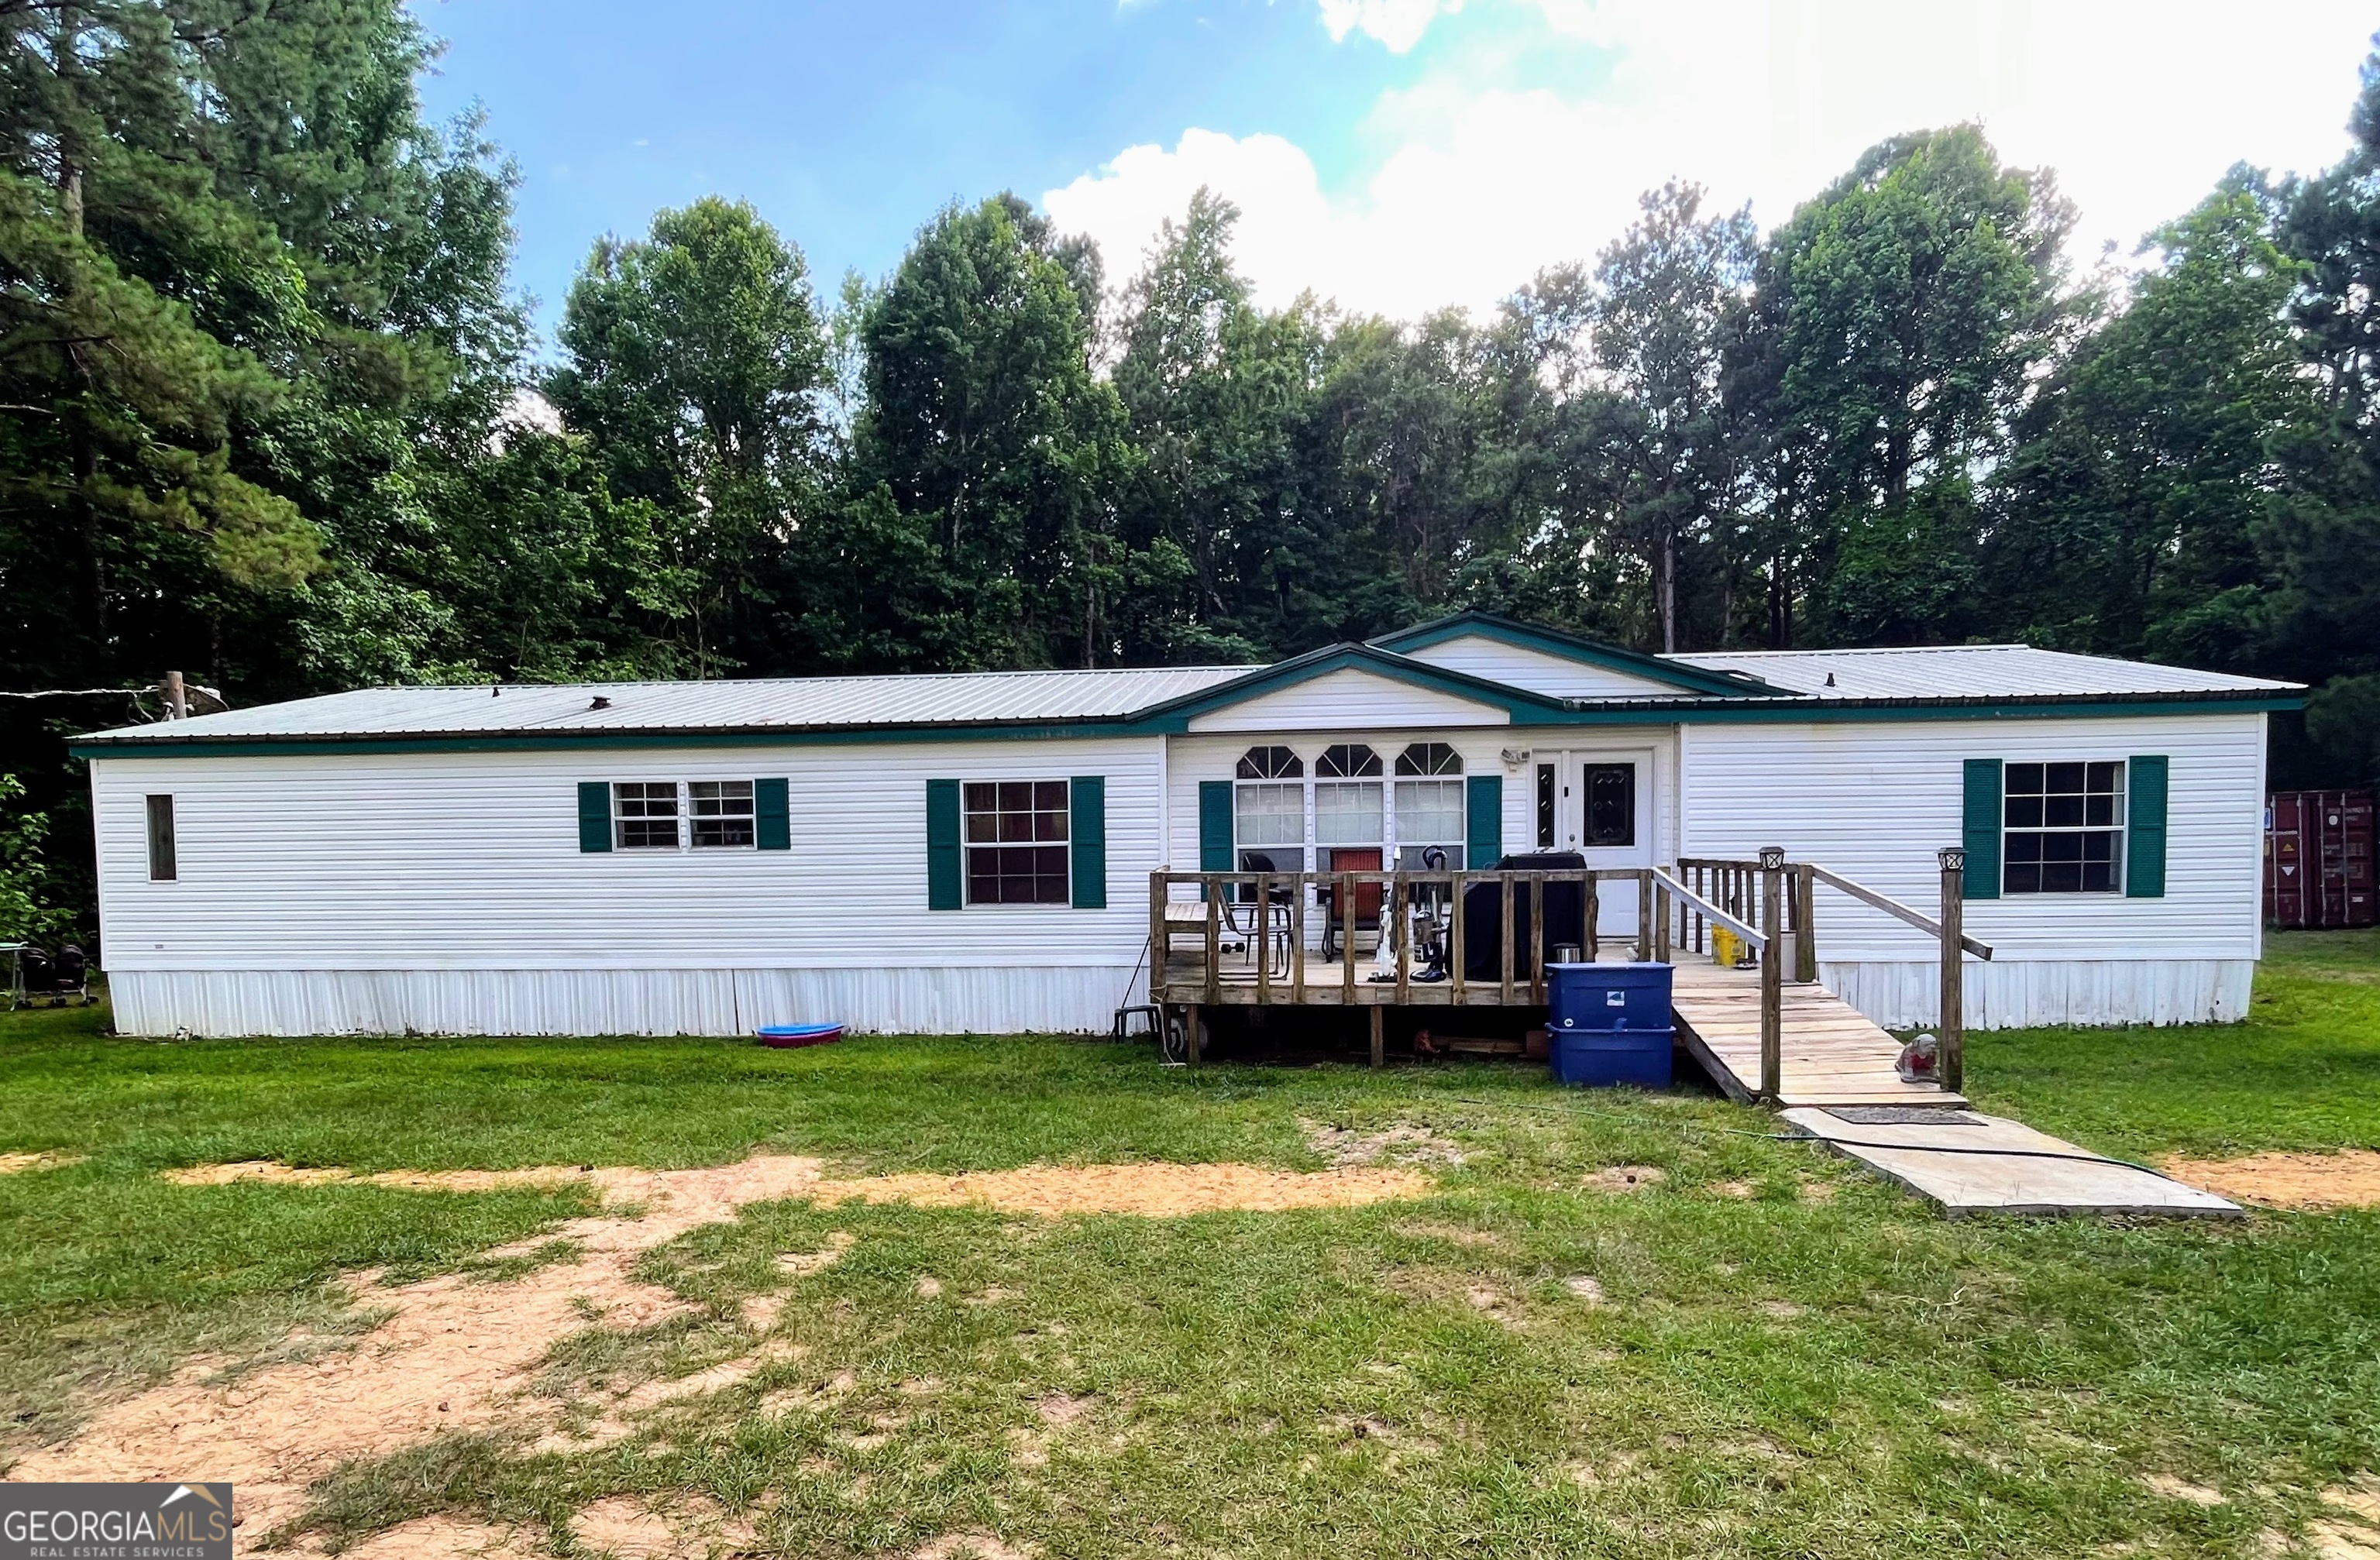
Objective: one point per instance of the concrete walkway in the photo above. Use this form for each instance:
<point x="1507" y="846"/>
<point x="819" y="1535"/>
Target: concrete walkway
<point x="2011" y="1181"/>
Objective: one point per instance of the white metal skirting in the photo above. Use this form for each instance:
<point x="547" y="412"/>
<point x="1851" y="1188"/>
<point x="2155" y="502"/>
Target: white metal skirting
<point x="2045" y="993"/>
<point x="915" y="1001"/>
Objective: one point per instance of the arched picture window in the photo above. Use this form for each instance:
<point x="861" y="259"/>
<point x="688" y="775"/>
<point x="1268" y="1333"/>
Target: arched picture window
<point x="1269" y="811"/>
<point x="1349" y="808"/>
<point x="1271" y="763"/>
<point x="1430" y="806"/>
<point x="1429" y="758"/>
<point x="1348" y="761"/>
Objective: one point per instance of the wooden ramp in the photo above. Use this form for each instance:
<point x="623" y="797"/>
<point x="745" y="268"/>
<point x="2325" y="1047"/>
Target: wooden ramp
<point x="1832" y="1053"/>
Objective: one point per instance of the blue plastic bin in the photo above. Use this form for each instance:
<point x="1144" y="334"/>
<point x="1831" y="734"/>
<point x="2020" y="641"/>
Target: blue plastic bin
<point x="1606" y="996"/>
<point x="1600" y="1057"/>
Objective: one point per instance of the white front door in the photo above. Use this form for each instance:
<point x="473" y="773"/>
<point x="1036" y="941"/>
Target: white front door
<point x="1599" y="802"/>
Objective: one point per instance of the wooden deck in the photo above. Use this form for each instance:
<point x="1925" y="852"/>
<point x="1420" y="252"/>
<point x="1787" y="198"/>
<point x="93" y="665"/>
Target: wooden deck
<point x="1833" y="1054"/>
<point x="1824" y="1052"/>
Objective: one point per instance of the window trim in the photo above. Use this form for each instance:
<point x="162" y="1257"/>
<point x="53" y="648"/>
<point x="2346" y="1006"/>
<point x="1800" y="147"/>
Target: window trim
<point x="2117" y="833"/>
<point x="750" y="817"/>
<point x="170" y="859"/>
<point x="1063" y="844"/>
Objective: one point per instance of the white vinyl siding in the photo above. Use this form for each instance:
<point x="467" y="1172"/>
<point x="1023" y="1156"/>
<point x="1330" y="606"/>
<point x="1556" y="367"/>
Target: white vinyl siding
<point x="1815" y="789"/>
<point x="1349" y="699"/>
<point x="432" y="862"/>
<point x="1540" y="671"/>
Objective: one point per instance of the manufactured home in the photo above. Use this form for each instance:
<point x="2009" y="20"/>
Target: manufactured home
<point x="998" y="853"/>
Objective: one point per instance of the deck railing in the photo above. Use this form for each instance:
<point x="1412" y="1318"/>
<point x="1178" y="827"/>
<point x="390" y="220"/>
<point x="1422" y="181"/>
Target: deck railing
<point x="1767" y="904"/>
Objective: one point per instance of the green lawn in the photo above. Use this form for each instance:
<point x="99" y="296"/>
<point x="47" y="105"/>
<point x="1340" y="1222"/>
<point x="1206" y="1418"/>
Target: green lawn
<point x="1822" y="1368"/>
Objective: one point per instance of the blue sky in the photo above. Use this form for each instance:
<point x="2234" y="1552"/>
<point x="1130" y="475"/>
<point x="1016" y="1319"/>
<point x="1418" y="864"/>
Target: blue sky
<point x="1395" y="154"/>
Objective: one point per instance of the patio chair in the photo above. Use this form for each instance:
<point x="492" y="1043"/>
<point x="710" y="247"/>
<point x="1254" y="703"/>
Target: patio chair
<point x="1240" y="915"/>
<point x="1338" y="936"/>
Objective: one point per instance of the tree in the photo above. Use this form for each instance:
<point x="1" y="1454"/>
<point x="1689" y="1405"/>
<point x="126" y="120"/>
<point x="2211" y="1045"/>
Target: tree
<point x="1897" y="323"/>
<point x="699" y="369"/>
<point x="2146" y="470"/>
<point x="984" y="418"/>
<point x="1665" y="459"/>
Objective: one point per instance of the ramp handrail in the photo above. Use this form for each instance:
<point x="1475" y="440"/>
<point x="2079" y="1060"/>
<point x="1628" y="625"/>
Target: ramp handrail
<point x="1891" y="906"/>
<point x="1708" y="910"/>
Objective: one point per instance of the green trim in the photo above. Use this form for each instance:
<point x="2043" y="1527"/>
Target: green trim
<point x="594" y="817"/>
<point x="1483" y="831"/>
<point x="1524" y="709"/>
<point x="2144" y="826"/>
<point x="945" y="873"/>
<point x="1571" y="647"/>
<point x="1527" y="710"/>
<point x="1981" y="820"/>
<point x="1086" y="830"/>
<point x="772" y="822"/>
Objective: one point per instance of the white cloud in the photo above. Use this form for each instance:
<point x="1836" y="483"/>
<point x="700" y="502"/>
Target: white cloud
<point x="2140" y="106"/>
<point x="1397" y="24"/>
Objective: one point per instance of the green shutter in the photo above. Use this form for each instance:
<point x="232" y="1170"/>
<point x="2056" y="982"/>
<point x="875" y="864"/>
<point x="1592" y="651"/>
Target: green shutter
<point x="1980" y="834"/>
<point x="1485" y="826"/>
<point x="594" y="815"/>
<point x="1214" y="826"/>
<point x="2145" y="835"/>
<point x="945" y="870"/>
<point x="1087" y="831"/>
<point x="772" y="821"/>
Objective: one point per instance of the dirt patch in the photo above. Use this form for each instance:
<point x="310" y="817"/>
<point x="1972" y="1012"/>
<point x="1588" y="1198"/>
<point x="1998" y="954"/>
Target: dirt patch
<point x="2336" y="1540"/>
<point x="456" y="1355"/>
<point x="1625" y="1178"/>
<point x="2360" y="1499"/>
<point x="2171" y="1488"/>
<point x="969" y="1546"/>
<point x="440" y="1538"/>
<point x="1345" y="1145"/>
<point x="1153" y="1190"/>
<point x="634" y="1528"/>
<point x="21" y="1164"/>
<point x="452" y="1355"/>
<point x="1584" y="1287"/>
<point x="2350" y="1178"/>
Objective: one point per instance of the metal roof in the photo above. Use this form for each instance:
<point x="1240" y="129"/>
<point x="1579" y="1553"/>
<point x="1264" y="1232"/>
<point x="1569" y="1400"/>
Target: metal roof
<point x="1937" y="677"/>
<point x="728" y="705"/>
<point x="1960" y="671"/>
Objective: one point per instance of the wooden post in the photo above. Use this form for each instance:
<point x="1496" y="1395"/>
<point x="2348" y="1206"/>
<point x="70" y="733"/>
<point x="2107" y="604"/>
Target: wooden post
<point x="1398" y="910"/>
<point x="1214" y="938"/>
<point x="1536" y="938"/>
<point x="1264" y="939"/>
<point x="1805" y="931"/>
<point x="1644" y="916"/>
<point x="1951" y="1061"/>
<point x="1593" y="900"/>
<point x="1347" y="939"/>
<point x="177" y="698"/>
<point x="1772" y="974"/>
<point x="1297" y="943"/>
<point x="1661" y="925"/>
<point x="1507" y="880"/>
<point x="1157" y="937"/>
<point x="1195" y="1028"/>
<point x="1379" y="1036"/>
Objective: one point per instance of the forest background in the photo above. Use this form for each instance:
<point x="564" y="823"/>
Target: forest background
<point x="273" y="415"/>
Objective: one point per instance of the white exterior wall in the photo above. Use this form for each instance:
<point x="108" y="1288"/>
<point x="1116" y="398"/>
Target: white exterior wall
<point x="1519" y="666"/>
<point x="1352" y="698"/>
<point x="446" y="893"/>
<point x="1873" y="800"/>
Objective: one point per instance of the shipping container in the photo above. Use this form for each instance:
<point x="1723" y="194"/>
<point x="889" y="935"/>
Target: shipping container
<point x="2318" y="859"/>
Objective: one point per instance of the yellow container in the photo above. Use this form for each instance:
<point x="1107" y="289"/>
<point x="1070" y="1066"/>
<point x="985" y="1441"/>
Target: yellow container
<point x="1725" y="948"/>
